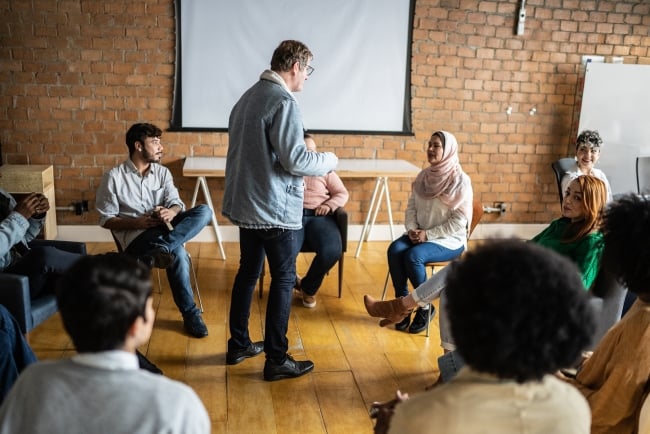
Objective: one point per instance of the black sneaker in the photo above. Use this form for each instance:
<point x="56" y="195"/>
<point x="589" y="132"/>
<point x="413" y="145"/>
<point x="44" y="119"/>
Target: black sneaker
<point x="158" y="258"/>
<point x="290" y="368"/>
<point x="421" y="319"/>
<point x="195" y="326"/>
<point x="403" y="324"/>
<point x="238" y="356"/>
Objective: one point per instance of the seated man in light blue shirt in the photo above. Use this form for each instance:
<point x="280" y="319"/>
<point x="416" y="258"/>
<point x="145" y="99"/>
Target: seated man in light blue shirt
<point x="107" y="309"/>
<point x="139" y="203"/>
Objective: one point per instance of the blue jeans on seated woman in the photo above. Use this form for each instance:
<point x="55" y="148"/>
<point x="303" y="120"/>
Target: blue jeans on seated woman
<point x="406" y="262"/>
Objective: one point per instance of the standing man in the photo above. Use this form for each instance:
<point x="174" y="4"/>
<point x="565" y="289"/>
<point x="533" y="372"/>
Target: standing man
<point x="139" y="203"/>
<point x="267" y="159"/>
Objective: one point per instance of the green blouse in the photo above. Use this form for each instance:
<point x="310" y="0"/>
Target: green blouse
<point x="585" y="253"/>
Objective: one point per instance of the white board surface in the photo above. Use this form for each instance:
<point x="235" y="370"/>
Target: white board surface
<point x="616" y="102"/>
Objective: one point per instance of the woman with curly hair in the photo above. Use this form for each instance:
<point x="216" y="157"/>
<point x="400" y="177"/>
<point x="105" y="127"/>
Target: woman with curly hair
<point x="587" y="154"/>
<point x="616" y="377"/>
<point x="518" y="313"/>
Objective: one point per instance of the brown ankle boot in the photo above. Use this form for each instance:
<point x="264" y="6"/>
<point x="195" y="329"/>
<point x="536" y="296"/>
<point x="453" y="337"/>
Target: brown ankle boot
<point x="392" y="310"/>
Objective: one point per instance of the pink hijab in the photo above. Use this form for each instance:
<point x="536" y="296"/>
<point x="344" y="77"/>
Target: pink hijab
<point x="446" y="180"/>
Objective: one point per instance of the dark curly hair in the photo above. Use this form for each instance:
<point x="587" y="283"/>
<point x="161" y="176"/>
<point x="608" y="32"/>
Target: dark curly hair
<point x="590" y="138"/>
<point x="518" y="310"/>
<point x="138" y="133"/>
<point x="626" y="232"/>
<point x="100" y="297"/>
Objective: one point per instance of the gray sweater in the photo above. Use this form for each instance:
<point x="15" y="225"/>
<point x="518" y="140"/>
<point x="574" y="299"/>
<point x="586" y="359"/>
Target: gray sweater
<point x="66" y="397"/>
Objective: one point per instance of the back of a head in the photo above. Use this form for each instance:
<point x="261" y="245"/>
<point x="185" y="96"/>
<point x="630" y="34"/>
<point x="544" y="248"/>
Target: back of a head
<point x="518" y="310"/>
<point x="626" y="232"/>
<point x="288" y="53"/>
<point x="100" y="297"/>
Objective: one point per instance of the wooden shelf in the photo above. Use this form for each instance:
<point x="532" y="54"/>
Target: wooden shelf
<point x="19" y="179"/>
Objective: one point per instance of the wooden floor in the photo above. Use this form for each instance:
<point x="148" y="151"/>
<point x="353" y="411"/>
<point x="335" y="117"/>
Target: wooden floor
<point x="356" y="362"/>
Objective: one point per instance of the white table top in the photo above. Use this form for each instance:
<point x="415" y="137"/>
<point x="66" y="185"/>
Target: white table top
<point x="347" y="167"/>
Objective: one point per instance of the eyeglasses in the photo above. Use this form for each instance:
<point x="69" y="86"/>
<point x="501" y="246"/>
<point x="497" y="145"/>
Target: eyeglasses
<point x="309" y="70"/>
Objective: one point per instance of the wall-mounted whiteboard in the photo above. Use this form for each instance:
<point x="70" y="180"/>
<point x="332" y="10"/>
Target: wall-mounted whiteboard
<point x="616" y="102"/>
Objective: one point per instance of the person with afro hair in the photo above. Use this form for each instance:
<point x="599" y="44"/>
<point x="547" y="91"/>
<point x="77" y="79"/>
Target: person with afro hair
<point x="518" y="313"/>
<point x="616" y="378"/>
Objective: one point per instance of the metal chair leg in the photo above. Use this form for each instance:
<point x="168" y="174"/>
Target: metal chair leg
<point x="196" y="282"/>
<point x="383" y="294"/>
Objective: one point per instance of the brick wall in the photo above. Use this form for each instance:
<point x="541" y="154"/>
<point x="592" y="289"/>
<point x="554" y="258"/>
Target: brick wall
<point x="75" y="74"/>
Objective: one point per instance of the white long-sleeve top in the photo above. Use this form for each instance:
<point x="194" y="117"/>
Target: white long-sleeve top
<point x="444" y="226"/>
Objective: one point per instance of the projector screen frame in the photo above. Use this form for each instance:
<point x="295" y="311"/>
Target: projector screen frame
<point x="176" y="123"/>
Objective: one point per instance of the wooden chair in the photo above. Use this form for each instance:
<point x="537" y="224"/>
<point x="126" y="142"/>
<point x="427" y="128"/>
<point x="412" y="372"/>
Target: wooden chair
<point x="477" y="214"/>
<point x="341" y="217"/>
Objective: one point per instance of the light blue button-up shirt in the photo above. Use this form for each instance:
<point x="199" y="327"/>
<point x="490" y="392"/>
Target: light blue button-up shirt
<point x="125" y="193"/>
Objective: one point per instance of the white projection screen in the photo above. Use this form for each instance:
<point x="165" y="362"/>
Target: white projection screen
<point x="362" y="60"/>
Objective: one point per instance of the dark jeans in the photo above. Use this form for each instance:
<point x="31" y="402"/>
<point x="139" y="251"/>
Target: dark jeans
<point x="319" y="234"/>
<point x="280" y="248"/>
<point x="15" y="353"/>
<point x="407" y="261"/>
<point x="43" y="265"/>
<point x="187" y="225"/>
<point x="449" y="364"/>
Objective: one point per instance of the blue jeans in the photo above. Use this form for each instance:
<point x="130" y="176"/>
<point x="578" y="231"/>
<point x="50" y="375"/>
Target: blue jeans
<point x="187" y="225"/>
<point x="280" y="248"/>
<point x="43" y="265"/>
<point x="406" y="261"/>
<point x="15" y="353"/>
<point x="319" y="234"/>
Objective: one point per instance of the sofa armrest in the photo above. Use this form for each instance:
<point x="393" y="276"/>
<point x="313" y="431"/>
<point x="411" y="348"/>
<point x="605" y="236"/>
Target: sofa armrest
<point x="15" y="297"/>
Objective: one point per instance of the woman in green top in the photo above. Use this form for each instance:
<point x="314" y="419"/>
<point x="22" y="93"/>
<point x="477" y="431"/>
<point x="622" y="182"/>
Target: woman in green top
<point x="574" y="235"/>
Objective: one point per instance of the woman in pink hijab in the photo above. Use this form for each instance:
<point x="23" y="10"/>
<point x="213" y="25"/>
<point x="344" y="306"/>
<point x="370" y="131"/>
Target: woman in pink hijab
<point x="437" y="218"/>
